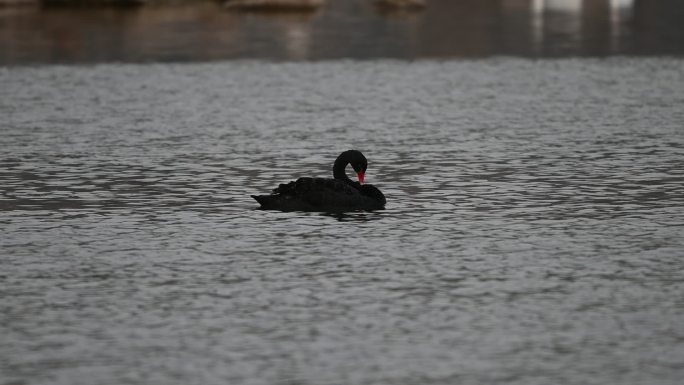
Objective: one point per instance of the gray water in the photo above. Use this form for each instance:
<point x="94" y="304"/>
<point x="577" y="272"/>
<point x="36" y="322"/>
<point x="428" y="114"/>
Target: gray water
<point x="534" y="231"/>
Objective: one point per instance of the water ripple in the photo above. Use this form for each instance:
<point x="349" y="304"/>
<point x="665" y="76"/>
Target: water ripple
<point x="533" y="228"/>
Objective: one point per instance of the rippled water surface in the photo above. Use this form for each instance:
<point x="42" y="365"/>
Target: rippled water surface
<point x="533" y="233"/>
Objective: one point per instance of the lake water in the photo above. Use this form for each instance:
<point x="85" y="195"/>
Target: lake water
<point x="534" y="231"/>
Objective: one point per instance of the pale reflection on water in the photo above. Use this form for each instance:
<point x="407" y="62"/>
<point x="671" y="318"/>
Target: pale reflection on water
<point x="201" y="31"/>
<point x="533" y="232"/>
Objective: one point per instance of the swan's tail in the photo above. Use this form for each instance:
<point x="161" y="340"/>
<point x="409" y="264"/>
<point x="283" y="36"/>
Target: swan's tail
<point x="263" y="200"/>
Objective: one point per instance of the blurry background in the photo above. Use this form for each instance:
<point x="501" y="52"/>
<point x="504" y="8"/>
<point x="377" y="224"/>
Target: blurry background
<point x="99" y="31"/>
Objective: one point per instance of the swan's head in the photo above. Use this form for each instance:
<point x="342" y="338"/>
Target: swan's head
<point x="358" y="163"/>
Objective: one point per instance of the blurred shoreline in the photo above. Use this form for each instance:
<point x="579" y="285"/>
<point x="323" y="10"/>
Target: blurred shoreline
<point x="44" y="32"/>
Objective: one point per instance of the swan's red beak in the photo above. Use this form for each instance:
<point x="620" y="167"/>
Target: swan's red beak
<point x="361" y="175"/>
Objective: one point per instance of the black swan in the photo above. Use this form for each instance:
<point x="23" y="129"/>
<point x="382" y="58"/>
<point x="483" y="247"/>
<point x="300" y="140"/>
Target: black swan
<point x="320" y="194"/>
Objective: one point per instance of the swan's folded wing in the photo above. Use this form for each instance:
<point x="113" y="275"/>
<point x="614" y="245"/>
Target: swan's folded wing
<point x="321" y="194"/>
<point x="326" y="193"/>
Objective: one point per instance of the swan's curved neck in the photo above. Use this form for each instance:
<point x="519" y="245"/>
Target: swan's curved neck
<point x="338" y="169"/>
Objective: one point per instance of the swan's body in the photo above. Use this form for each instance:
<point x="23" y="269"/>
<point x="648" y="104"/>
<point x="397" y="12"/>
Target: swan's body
<point x="320" y="194"/>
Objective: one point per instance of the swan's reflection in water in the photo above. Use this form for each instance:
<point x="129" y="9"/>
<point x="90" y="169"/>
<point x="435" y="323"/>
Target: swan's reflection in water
<point x="360" y="217"/>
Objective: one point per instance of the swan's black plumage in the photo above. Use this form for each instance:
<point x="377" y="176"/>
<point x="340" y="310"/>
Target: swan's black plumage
<point x="321" y="194"/>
